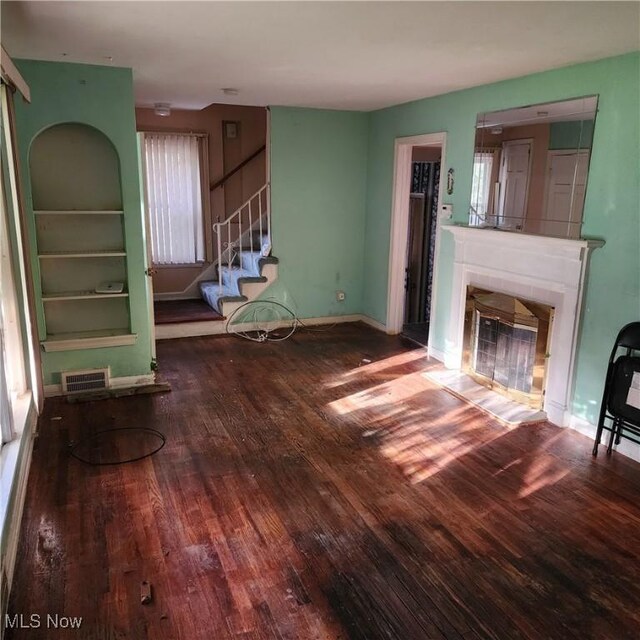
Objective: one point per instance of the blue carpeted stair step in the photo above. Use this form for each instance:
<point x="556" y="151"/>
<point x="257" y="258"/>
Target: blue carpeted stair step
<point x="214" y="295"/>
<point x="234" y="276"/>
<point x="253" y="261"/>
<point x="247" y="267"/>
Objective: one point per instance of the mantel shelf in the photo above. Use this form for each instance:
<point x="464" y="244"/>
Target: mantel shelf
<point x="81" y="295"/>
<point x="83" y="254"/>
<point x="504" y="237"/>
<point x="78" y="212"/>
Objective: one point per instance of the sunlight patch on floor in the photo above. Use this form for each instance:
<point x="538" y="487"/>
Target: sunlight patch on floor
<point x="367" y="368"/>
<point x="427" y="454"/>
<point x="421" y="440"/>
<point x="542" y="473"/>
<point x="409" y="431"/>
<point x="385" y="394"/>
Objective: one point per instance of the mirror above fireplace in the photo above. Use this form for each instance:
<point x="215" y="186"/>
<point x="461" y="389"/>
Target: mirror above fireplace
<point x="531" y="166"/>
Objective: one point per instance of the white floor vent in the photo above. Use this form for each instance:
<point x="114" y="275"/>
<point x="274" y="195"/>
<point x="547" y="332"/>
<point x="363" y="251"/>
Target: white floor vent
<point x="87" y="380"/>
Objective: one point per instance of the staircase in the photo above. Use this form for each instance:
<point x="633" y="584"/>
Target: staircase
<point x="244" y="264"/>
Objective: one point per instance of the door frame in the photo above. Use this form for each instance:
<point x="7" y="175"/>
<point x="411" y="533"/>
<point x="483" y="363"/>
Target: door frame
<point x="148" y="262"/>
<point x="399" y="237"/>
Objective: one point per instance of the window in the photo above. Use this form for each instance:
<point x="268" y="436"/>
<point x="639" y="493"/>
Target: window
<point x="12" y="374"/>
<point x="480" y="187"/>
<point x="13" y="347"/>
<point x="174" y="196"/>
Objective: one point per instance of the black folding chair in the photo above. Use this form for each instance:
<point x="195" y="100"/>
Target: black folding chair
<point x="618" y="417"/>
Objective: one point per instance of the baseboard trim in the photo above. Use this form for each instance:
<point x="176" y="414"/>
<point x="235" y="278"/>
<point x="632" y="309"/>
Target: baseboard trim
<point x="435" y="353"/>
<point x="626" y="447"/>
<point x="354" y="317"/>
<point x="216" y="328"/>
<point x="373" y="323"/>
<point x="124" y="382"/>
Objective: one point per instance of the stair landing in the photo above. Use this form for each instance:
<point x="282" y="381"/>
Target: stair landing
<point x="178" y="311"/>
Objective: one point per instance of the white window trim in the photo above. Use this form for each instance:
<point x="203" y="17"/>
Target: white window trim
<point x="27" y="348"/>
<point x="14" y="383"/>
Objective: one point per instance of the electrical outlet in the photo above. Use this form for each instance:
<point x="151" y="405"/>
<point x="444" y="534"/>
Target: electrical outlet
<point x="447" y="211"/>
<point x="340" y="296"/>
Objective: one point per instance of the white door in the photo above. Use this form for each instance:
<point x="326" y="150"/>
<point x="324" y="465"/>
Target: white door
<point x="566" y="186"/>
<point x="514" y="183"/>
<point x="148" y="267"/>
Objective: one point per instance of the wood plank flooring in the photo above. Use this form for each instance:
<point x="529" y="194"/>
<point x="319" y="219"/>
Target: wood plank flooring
<point x="323" y="488"/>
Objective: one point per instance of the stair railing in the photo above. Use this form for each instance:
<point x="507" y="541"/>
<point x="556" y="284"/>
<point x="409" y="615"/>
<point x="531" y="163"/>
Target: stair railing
<point x="218" y="183"/>
<point x="255" y="215"/>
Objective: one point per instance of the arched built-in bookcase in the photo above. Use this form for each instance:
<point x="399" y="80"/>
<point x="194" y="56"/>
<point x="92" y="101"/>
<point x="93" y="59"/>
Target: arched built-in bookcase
<point x="77" y="203"/>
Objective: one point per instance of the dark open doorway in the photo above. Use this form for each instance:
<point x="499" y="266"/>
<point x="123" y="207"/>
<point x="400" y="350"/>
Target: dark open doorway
<point x="423" y="215"/>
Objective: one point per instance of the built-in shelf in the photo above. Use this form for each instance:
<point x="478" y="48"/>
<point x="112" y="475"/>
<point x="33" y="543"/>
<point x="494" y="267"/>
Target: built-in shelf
<point x="81" y="295"/>
<point x="82" y="254"/>
<point x="75" y="212"/>
<point x="89" y="340"/>
<point x="80" y="235"/>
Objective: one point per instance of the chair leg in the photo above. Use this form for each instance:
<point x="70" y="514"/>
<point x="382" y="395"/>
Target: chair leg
<point x="614" y="431"/>
<point x="601" y="420"/>
<point x="598" y="438"/>
<point x="619" y="432"/>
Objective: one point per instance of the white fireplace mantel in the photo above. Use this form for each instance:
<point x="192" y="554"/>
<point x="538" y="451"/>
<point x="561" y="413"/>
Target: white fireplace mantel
<point x="551" y="271"/>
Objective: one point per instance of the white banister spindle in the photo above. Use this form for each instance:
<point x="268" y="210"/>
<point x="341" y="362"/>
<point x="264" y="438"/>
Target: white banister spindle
<point x="219" y="257"/>
<point x="264" y="210"/>
<point x="260" y="216"/>
<point x="268" y="204"/>
<point x="240" y="236"/>
<point x="250" y="225"/>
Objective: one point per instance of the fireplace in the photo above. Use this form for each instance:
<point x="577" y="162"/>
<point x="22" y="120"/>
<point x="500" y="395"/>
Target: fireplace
<point x="506" y="343"/>
<point x="549" y="271"/>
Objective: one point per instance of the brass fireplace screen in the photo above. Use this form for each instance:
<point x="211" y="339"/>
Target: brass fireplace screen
<point x="506" y="344"/>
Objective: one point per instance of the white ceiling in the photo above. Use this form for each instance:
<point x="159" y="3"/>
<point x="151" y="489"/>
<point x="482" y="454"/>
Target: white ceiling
<point x="342" y="55"/>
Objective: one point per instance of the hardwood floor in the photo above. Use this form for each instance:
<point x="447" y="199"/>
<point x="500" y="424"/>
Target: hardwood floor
<point x="323" y="488"/>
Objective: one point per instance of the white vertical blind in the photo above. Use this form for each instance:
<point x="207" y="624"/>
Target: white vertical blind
<point x="174" y="198"/>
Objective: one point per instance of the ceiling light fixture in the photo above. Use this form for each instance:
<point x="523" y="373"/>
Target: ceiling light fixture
<point x="162" y="109"/>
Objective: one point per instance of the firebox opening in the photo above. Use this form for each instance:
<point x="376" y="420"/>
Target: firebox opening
<point x="506" y="342"/>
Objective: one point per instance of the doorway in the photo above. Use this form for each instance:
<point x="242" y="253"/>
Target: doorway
<point x="415" y="234"/>
<point x="423" y="214"/>
<point x="515" y="173"/>
<point x="565" y="191"/>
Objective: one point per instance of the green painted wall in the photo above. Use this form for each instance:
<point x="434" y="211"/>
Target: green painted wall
<point x="612" y="207"/>
<point x="571" y="135"/>
<point x="101" y="97"/>
<point x="318" y="192"/>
